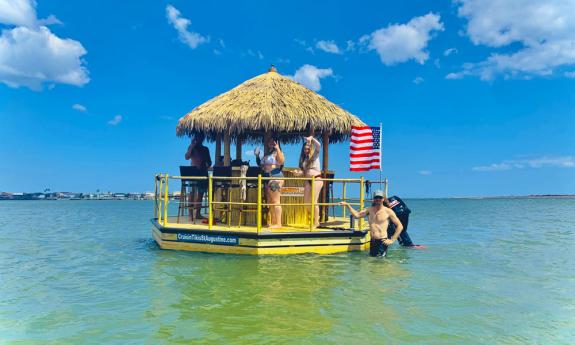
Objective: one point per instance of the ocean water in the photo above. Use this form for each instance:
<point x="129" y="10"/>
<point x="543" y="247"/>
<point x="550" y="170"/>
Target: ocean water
<point x="497" y="271"/>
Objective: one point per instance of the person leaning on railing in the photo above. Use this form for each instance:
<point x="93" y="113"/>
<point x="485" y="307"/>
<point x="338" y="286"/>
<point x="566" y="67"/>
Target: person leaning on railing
<point x="272" y="165"/>
<point x="310" y="167"/>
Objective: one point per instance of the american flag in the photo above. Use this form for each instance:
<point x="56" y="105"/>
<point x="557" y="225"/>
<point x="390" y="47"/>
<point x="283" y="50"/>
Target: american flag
<point x="364" y="148"/>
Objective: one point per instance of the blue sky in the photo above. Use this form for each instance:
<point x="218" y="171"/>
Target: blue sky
<point x="475" y="97"/>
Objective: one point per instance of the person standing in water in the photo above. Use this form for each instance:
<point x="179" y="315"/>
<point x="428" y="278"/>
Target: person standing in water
<point x="379" y="218"/>
<point x="272" y="165"/>
<point x="402" y="212"/>
<point x="310" y="167"/>
<point x="199" y="157"/>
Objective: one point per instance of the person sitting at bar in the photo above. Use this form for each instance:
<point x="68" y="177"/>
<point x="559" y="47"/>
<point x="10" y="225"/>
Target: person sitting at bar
<point x="199" y="157"/>
<point x="272" y="164"/>
<point x="310" y="167"/>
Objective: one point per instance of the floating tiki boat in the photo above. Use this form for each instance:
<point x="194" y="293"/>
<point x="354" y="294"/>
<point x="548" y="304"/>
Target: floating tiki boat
<point x="237" y="212"/>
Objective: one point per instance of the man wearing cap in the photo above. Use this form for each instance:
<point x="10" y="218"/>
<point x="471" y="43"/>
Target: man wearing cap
<point x="378" y="217"/>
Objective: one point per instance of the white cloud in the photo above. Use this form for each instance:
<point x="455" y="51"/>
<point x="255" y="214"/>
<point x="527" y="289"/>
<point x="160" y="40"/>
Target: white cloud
<point x="50" y="20"/>
<point x="453" y="76"/>
<point x="493" y="167"/>
<point x="570" y="74"/>
<point x="425" y="172"/>
<point x="31" y="55"/>
<point x="301" y="42"/>
<point x="18" y="12"/>
<point x="304" y="44"/>
<point x="560" y="162"/>
<point x="255" y="54"/>
<point x="79" y="108"/>
<point x="309" y="76"/>
<point x="540" y="162"/>
<point x="116" y="120"/>
<point x="402" y="42"/>
<point x="190" y="38"/>
<point x="418" y="80"/>
<point x="328" y="47"/>
<point x="450" y="51"/>
<point x="350" y="45"/>
<point x="543" y="31"/>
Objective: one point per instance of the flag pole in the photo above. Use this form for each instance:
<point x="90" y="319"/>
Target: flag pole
<point x="380" y="156"/>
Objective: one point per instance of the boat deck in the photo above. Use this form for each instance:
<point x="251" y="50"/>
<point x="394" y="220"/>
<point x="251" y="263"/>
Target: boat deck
<point x="334" y="224"/>
<point x="331" y="237"/>
<point x="226" y="235"/>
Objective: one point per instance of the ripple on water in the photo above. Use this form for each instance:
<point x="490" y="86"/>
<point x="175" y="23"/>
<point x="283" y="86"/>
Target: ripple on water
<point x="89" y="272"/>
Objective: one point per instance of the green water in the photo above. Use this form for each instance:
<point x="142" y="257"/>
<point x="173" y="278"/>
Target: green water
<point x="87" y="272"/>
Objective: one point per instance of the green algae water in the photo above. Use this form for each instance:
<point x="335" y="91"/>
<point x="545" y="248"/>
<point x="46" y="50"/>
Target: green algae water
<point x="497" y="271"/>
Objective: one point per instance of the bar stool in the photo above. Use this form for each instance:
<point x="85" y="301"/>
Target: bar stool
<point x="188" y="188"/>
<point x="328" y="185"/>
<point x="250" y="184"/>
<point x="226" y="194"/>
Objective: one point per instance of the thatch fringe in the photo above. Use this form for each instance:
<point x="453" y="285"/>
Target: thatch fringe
<point x="268" y="103"/>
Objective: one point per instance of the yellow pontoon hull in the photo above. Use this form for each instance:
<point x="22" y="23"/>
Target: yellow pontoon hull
<point x="226" y="240"/>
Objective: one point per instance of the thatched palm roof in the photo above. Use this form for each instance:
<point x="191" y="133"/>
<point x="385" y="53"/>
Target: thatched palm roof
<point x="269" y="102"/>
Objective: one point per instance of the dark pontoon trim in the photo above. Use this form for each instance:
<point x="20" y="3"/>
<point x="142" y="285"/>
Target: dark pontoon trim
<point x="262" y="235"/>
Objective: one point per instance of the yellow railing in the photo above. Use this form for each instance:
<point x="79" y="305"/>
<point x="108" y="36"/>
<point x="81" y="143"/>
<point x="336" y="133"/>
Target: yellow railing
<point x="162" y="196"/>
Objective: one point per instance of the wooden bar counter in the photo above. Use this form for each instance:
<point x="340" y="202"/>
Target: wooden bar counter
<point x="292" y="193"/>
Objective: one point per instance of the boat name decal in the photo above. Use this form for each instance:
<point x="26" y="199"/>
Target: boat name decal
<point x="211" y="239"/>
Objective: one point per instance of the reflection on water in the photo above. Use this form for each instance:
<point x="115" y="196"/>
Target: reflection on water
<point x="226" y="298"/>
<point x="86" y="272"/>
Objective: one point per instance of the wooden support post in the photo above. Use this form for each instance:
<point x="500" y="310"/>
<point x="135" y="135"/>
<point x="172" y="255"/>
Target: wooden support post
<point x="267" y="136"/>
<point x="218" y="149"/>
<point x="325" y="146"/>
<point x="312" y="208"/>
<point x="259" y="218"/>
<point x="344" y="198"/>
<point x="239" y="148"/>
<point x="227" y="157"/>
<point x="210" y="199"/>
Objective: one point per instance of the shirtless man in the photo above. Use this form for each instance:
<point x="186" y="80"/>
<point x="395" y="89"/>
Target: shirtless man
<point x="200" y="158"/>
<point x="379" y="217"/>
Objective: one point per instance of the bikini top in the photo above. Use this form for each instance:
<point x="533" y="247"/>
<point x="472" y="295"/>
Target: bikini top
<point x="270" y="160"/>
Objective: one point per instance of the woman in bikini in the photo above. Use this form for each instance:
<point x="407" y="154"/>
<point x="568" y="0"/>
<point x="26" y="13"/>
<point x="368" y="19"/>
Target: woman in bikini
<point x="310" y="167"/>
<point x="272" y="165"/>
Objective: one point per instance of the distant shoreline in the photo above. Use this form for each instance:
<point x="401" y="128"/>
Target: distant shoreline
<point x="534" y="196"/>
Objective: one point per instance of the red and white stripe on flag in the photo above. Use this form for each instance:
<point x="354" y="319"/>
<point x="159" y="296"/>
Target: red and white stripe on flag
<point x="364" y="148"/>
